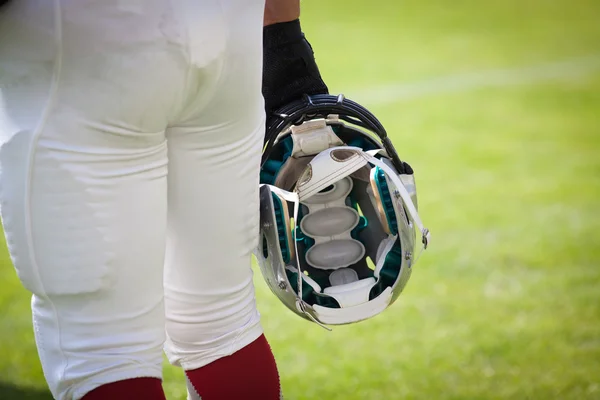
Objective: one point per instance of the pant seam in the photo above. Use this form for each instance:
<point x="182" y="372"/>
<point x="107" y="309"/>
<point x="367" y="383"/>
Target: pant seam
<point x="52" y="95"/>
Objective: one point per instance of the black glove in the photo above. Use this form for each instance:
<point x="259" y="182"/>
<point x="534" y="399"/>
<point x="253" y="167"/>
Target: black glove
<point x="289" y="67"/>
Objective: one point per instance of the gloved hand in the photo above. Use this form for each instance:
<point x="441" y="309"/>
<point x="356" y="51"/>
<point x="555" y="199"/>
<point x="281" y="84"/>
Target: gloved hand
<point x="289" y="67"/>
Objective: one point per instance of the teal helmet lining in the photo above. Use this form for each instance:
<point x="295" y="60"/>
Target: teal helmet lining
<point x="272" y="166"/>
<point x="386" y="200"/>
<point x="281" y="228"/>
<point x="390" y="271"/>
<point x="309" y="295"/>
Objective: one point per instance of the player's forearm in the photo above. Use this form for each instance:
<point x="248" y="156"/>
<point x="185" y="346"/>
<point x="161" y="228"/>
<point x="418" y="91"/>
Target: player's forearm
<point x="281" y="11"/>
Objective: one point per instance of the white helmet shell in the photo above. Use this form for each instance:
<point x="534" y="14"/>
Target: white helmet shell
<point x="338" y="222"/>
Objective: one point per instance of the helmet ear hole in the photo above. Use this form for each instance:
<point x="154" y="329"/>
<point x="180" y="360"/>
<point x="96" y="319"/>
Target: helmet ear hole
<point x="265" y="246"/>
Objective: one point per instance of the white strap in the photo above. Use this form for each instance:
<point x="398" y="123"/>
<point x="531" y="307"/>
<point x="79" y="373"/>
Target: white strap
<point x="300" y="304"/>
<point x="410" y="207"/>
<point x="293" y="198"/>
<point x="312" y="137"/>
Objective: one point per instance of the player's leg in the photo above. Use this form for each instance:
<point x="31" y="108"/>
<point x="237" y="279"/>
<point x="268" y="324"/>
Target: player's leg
<point x="83" y="190"/>
<point x="213" y="326"/>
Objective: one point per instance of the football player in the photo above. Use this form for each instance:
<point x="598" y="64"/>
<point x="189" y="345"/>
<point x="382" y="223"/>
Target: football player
<point x="129" y="132"/>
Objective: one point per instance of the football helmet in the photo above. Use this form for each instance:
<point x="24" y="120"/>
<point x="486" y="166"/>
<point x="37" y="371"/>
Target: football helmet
<point x="338" y="212"/>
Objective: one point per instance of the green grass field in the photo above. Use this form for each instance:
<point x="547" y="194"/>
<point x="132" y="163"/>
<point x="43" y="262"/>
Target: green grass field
<point x="506" y="302"/>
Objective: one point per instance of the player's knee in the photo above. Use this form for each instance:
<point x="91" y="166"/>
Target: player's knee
<point x="84" y="343"/>
<point x="199" y="333"/>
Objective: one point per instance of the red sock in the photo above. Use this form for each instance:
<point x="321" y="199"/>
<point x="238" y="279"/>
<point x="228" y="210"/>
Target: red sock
<point x="137" y="388"/>
<point x="250" y="373"/>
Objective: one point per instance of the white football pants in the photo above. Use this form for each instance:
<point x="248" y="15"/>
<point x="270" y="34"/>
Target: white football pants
<point x="130" y="143"/>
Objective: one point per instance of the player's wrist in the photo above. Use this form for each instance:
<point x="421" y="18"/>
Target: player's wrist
<point x="289" y="66"/>
<point x="282" y="33"/>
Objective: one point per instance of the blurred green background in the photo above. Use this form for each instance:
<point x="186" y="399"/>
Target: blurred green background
<point x="496" y="104"/>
